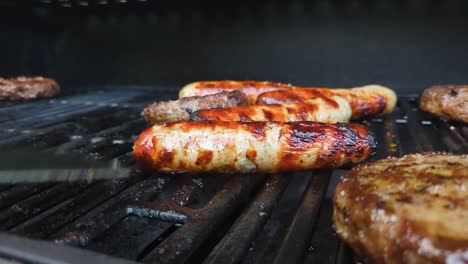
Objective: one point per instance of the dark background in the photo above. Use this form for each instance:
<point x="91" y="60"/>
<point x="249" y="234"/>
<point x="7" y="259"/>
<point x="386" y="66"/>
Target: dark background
<point x="407" y="45"/>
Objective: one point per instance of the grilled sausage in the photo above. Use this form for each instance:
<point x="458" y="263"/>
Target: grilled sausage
<point x="447" y="101"/>
<point x="251" y="146"/>
<point x="326" y="110"/>
<point x="27" y="88"/>
<point x="412" y="209"/>
<point x="365" y="101"/>
<point x="179" y="110"/>
<point x="251" y="88"/>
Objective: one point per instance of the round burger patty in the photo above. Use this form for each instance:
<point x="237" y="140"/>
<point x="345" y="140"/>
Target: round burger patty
<point x="27" y="88"/>
<point x="412" y="209"/>
<point x="448" y="101"/>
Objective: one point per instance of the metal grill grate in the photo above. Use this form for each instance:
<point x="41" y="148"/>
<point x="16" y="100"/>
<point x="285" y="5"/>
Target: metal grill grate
<point x="164" y="219"/>
<point x="72" y="3"/>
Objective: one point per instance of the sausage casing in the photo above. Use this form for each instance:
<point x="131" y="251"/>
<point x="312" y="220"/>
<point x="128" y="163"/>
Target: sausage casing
<point x="179" y="110"/>
<point x="326" y="110"/>
<point x="217" y="146"/>
<point x="250" y="88"/>
<point x="365" y="101"/>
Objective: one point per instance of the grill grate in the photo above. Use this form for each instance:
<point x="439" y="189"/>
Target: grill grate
<point x="164" y="219"/>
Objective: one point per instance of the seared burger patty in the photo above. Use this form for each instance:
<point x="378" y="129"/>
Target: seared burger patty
<point x="218" y="146"/>
<point x="412" y="209"/>
<point x="448" y="101"/>
<point x="27" y="88"/>
<point x="179" y="110"/>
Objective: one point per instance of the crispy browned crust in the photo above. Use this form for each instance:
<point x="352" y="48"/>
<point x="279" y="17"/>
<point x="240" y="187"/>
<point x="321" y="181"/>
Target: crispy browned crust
<point x="412" y="209"/>
<point x="332" y="110"/>
<point x="27" y="88"/>
<point x="447" y="101"/>
<point x="251" y="88"/>
<point x="218" y="146"/>
<point x="179" y="110"/>
<point x="366" y="101"/>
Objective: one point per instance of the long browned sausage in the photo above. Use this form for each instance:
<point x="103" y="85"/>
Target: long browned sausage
<point x="251" y="146"/>
<point x="326" y="110"/>
<point x="365" y="101"/>
<point x="179" y="110"/>
<point x="250" y="88"/>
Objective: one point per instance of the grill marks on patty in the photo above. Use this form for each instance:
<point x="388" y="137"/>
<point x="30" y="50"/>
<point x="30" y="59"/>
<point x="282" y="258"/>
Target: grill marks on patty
<point x="385" y="210"/>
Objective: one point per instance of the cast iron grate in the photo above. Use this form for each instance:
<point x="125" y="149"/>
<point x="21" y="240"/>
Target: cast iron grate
<point x="158" y="218"/>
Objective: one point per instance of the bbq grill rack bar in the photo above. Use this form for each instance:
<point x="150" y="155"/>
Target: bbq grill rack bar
<point x="14" y="248"/>
<point x="166" y="218"/>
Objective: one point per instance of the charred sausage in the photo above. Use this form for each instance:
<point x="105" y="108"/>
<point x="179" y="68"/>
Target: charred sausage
<point x="250" y="88"/>
<point x="365" y="101"/>
<point x="326" y="110"/>
<point x="180" y="110"/>
<point x="217" y="146"/>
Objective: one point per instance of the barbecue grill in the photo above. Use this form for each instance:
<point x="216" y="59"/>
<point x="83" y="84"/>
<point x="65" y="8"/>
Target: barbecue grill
<point x="261" y="218"/>
<point x="166" y="219"/>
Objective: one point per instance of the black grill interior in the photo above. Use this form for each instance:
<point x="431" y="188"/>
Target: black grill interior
<point x="407" y="45"/>
<point x="172" y="219"/>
